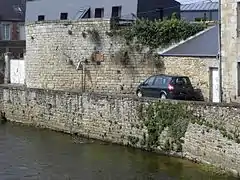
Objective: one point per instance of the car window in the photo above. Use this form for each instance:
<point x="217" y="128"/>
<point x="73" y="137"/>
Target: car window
<point x="149" y="81"/>
<point x="166" y="81"/>
<point x="183" y="81"/>
<point x="158" y="81"/>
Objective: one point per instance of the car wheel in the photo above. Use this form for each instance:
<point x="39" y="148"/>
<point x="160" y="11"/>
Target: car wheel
<point x="163" y="96"/>
<point x="139" y="94"/>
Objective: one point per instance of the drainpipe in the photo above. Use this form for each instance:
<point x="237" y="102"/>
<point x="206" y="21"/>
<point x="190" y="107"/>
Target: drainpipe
<point x="220" y="52"/>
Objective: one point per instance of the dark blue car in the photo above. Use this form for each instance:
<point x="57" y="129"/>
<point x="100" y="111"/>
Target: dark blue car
<point x="167" y="87"/>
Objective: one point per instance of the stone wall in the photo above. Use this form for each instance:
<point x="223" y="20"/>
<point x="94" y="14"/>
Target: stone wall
<point x="53" y="55"/>
<point x="230" y="49"/>
<point x="197" y="69"/>
<point x="211" y="133"/>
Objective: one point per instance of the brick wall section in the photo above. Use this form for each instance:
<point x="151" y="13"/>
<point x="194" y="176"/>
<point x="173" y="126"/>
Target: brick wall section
<point x="116" y="118"/>
<point x="49" y="47"/>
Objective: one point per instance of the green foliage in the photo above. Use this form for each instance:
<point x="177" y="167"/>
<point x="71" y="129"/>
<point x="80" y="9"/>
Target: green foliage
<point x="175" y="117"/>
<point x="94" y="34"/>
<point x="159" y="33"/>
<point x="133" y="140"/>
<point x="231" y="135"/>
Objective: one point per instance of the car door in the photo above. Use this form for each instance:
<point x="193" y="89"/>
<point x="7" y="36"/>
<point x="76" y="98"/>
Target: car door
<point x="157" y="86"/>
<point x="147" y="87"/>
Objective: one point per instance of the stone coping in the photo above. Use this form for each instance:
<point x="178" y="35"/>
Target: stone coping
<point x="67" y="21"/>
<point x="114" y="96"/>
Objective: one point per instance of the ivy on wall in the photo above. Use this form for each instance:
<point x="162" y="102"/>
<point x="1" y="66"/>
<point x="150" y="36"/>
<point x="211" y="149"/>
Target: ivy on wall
<point x="159" y="116"/>
<point x="158" y="33"/>
<point x="173" y="119"/>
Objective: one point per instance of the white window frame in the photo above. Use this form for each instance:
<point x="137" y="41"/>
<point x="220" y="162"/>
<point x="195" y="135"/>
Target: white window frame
<point x="4" y="31"/>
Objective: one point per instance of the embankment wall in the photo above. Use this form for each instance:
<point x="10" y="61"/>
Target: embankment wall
<point x="204" y="132"/>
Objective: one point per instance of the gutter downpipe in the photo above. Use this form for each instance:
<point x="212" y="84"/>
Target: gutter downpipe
<point x="220" y="52"/>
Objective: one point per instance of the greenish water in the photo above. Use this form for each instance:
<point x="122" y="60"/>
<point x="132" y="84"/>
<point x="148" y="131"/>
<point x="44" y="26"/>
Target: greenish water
<point x="30" y="153"/>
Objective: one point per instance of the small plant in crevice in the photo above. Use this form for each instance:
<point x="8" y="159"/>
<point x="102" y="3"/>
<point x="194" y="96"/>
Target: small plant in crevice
<point x="140" y="113"/>
<point x="167" y="146"/>
<point x="122" y="56"/>
<point x="158" y="61"/>
<point x="144" y="140"/>
<point x="3" y="118"/>
<point x="133" y="140"/>
<point x="84" y="34"/>
<point x="94" y="34"/>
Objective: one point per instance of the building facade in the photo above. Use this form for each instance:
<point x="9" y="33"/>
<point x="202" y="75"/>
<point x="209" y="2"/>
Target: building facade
<point x="200" y="11"/>
<point x="230" y="50"/>
<point x="78" y="9"/>
<point x="12" y="29"/>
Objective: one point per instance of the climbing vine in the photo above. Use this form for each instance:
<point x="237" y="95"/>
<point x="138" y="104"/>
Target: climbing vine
<point x="173" y="119"/>
<point x="160" y="116"/>
<point x="158" y="33"/>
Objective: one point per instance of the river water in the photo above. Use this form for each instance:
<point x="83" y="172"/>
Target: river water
<point x="34" y="154"/>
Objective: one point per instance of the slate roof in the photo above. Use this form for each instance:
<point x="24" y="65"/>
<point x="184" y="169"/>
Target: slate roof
<point x="200" y="6"/>
<point x="204" y="44"/>
<point x="12" y="10"/>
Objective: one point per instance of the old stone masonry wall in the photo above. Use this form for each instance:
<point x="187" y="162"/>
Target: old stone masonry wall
<point x="55" y="48"/>
<point x="204" y="132"/>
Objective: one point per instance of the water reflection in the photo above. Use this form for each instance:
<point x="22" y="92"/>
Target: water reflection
<point x="29" y="153"/>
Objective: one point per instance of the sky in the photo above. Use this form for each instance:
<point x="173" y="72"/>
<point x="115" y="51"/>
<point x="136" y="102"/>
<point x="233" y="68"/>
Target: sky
<point x="192" y="1"/>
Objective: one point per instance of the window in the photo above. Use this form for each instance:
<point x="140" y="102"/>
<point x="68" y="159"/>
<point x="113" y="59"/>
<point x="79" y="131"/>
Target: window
<point x="162" y="81"/>
<point x="99" y="13"/>
<point x="116" y="11"/>
<point x="158" y="81"/>
<point x="6" y="32"/>
<point x="182" y="81"/>
<point x="150" y="81"/>
<point x="64" y="16"/>
<point x="41" y="18"/>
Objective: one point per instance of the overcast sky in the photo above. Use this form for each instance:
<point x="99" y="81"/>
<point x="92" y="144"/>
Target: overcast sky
<point x="191" y="1"/>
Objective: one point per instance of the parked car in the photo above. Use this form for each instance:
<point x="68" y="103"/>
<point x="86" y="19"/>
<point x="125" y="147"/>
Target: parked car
<point x="167" y="87"/>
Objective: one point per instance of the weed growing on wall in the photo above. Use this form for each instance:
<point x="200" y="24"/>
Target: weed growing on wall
<point x="94" y="35"/>
<point x="167" y="124"/>
<point x="233" y="134"/>
<point x="161" y="116"/>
